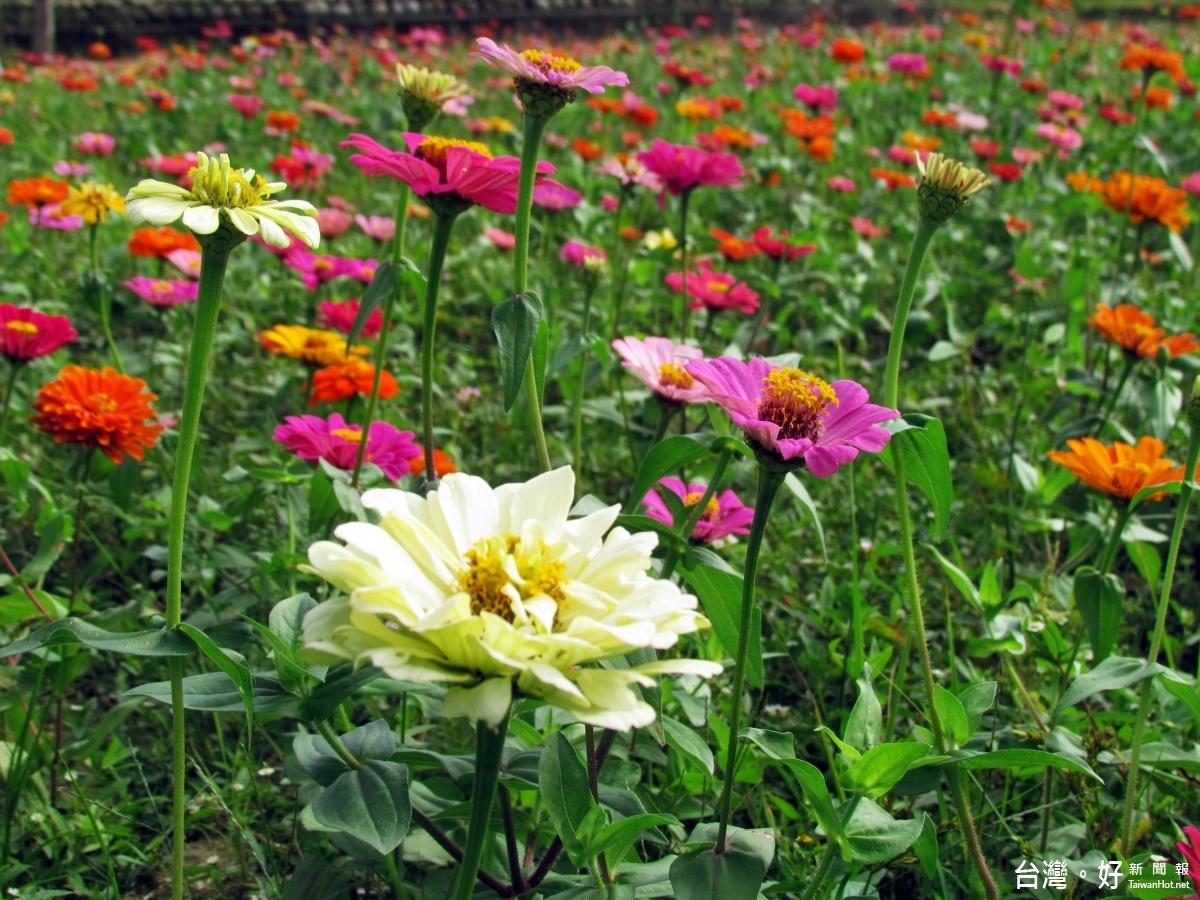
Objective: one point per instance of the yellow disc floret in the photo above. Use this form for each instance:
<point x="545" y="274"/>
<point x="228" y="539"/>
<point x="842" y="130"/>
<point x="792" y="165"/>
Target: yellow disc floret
<point x="28" y="329"/>
<point x="711" y="509"/>
<point x="216" y="183"/>
<point x="352" y="435"/>
<point x="551" y="61"/>
<point x="795" y="401"/>
<point x="673" y="374"/>
<point x="502" y="570"/>
<point x="433" y="150"/>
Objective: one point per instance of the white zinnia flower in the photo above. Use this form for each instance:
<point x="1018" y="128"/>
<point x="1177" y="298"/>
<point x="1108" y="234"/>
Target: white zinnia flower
<point x="244" y="198"/>
<point x="496" y="590"/>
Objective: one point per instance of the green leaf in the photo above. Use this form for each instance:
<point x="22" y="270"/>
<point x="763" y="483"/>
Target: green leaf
<point x="238" y="673"/>
<point x="339" y="684"/>
<point x="882" y="766"/>
<point x="736" y="874"/>
<point x="371" y="741"/>
<point x="957" y="576"/>
<point x="616" y="839"/>
<point x="688" y="743"/>
<point x="875" y="837"/>
<point x="800" y="492"/>
<point x="720" y="593"/>
<point x="160" y="642"/>
<point x="380" y="287"/>
<point x="515" y="322"/>
<point x="922" y="440"/>
<point x="216" y="692"/>
<point x="51" y="542"/>
<point x="664" y="458"/>
<point x="1114" y="673"/>
<point x="866" y="718"/>
<point x="1186" y="694"/>
<point x="976" y="700"/>
<point x="1018" y="758"/>
<point x="1099" y="599"/>
<point x="563" y="783"/>
<point x="1170" y="487"/>
<point x="956" y="727"/>
<point x="370" y="803"/>
<point x="541" y="352"/>
<point x="926" y="848"/>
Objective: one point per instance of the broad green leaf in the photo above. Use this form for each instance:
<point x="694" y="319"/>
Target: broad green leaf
<point x="956" y="727"/>
<point x="800" y="492"/>
<point x="563" y="782"/>
<point x="976" y="700"/>
<point x="1099" y="599"/>
<point x="616" y="839"/>
<point x="688" y="743"/>
<point x="866" y="718"/>
<point x="515" y="322"/>
<point x="338" y="685"/>
<point x="665" y="458"/>
<point x="216" y="692"/>
<point x="735" y="874"/>
<point x="1114" y="673"/>
<point x="377" y="291"/>
<point x="1186" y="694"/>
<point x="882" y="766"/>
<point x="720" y="593"/>
<point x="875" y="837"/>
<point x="371" y="741"/>
<point x="922" y="440"/>
<point x="1017" y="758"/>
<point x="370" y="803"/>
<point x="160" y="642"/>
<point x="238" y="673"/>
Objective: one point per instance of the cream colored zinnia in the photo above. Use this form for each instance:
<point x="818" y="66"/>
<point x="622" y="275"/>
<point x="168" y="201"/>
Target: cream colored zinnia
<point x="220" y="192"/>
<point x="497" y="592"/>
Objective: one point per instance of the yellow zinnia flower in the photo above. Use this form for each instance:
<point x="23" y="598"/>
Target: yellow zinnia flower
<point x="93" y="202"/>
<point x="309" y="345"/>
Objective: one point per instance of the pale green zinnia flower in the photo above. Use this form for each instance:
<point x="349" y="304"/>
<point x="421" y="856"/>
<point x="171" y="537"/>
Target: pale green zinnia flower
<point x="220" y="192"/>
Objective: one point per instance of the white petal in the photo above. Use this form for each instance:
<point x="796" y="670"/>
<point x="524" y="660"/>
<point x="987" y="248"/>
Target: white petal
<point x="272" y="233"/>
<point x="546" y="499"/>
<point x="149" y="187"/>
<point x="303" y="227"/>
<point x="157" y="211"/>
<point x="243" y="221"/>
<point x="488" y="701"/>
<point x="462" y="510"/>
<point x="202" y="219"/>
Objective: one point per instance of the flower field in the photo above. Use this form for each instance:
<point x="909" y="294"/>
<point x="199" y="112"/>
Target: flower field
<point x="689" y="462"/>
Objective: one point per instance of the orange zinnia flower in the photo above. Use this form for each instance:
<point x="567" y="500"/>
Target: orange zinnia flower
<point x="892" y="179"/>
<point x="846" y="51"/>
<point x="345" y="379"/>
<point x="1120" y="470"/>
<point x="37" y="192"/>
<point x="1134" y="332"/>
<point x="586" y="150"/>
<point x="734" y="247"/>
<point x="99" y="409"/>
<point x="6" y="137"/>
<point x="443" y="465"/>
<point x="1153" y="200"/>
<point x="158" y="242"/>
<point x="916" y="142"/>
<point x="284" y="121"/>
<point x="1141" y="58"/>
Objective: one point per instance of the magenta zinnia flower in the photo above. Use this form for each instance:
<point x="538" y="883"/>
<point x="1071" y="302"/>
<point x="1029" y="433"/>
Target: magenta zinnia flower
<point x="556" y="197"/>
<point x="724" y="514"/>
<point x="440" y="167"/>
<point x="578" y="254"/>
<point x="554" y="69"/>
<point x="95" y="143"/>
<point x="313" y="438"/>
<point x="660" y="362"/>
<point x="27" y="334"/>
<point x="317" y="268"/>
<point x="1191" y="852"/>
<point x="682" y="168"/>
<point x="714" y="290"/>
<point x="161" y="292"/>
<point x="340" y="315"/>
<point x="793" y="415"/>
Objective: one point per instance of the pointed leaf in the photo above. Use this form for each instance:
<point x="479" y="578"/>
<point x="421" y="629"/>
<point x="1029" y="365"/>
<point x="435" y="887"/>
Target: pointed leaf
<point x="563" y="782"/>
<point x="1114" y="673"/>
<point x="160" y="642"/>
<point x="515" y="323"/>
<point x="377" y="291"/>
<point x="866" y="718"/>
<point x="720" y="593"/>
<point x="922" y="440"/>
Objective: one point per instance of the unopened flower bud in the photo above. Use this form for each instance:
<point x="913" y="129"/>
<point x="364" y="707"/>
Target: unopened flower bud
<point x="945" y="187"/>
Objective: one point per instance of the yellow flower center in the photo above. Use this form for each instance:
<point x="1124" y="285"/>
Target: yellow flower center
<point x="162" y="287"/>
<point x="502" y="569"/>
<point x="719" y="286"/>
<point x="551" y="61"/>
<point x="26" y="329"/>
<point x="795" y="401"/>
<point x="218" y="184"/>
<point x="434" y="149"/>
<point x="675" y="375"/>
<point x="100" y="403"/>
<point x="711" y="509"/>
<point x="348" y="434"/>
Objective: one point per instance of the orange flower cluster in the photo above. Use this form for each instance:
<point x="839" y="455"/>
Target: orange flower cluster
<point x="698" y="108"/>
<point x="37" y="192"/>
<point x="1153" y="200"/>
<point x="1148" y="60"/>
<point x="916" y="142"/>
<point x="644" y="116"/>
<point x="733" y="247"/>
<point x="892" y="179"/>
<point x="156" y="243"/>
<point x="1120" y="470"/>
<point x="342" y="380"/>
<point x="1135" y="332"/>
<point x="939" y="119"/>
<point x="99" y="409"/>
<point x="283" y="121"/>
<point x="726" y="136"/>
<point x="586" y="150"/>
<point x="815" y="134"/>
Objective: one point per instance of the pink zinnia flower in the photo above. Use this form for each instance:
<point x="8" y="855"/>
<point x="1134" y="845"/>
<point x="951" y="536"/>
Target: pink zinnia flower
<point x="333" y="222"/>
<point x="160" y="292"/>
<point x="27" y="334"/>
<point x="249" y="105"/>
<point x="66" y="168"/>
<point x="1191" y="852"/>
<point x="660" y="362"/>
<point x="1064" y="138"/>
<point x="503" y="240"/>
<point x="1191" y="184"/>
<point x="793" y="415"/>
<point x="908" y="63"/>
<point x="378" y="228"/>
<point x="714" y="290"/>
<point x="578" y="254"/>
<point x="724" y="514"/>
<point x="554" y="196"/>
<point x="630" y="172"/>
<point x="682" y="168"/>
<point x="818" y="99"/>
<point x="1024" y="156"/>
<point x="186" y="261"/>
<point x="340" y="315"/>
<point x="539" y="67"/>
<point x="779" y="248"/>
<point x="842" y="183"/>
<point x="313" y="438"/>
<point x="51" y="216"/>
<point x="867" y="228"/>
<point x="1064" y="100"/>
<point x="316" y="268"/>
<point x="434" y="167"/>
<point x="94" y="143"/>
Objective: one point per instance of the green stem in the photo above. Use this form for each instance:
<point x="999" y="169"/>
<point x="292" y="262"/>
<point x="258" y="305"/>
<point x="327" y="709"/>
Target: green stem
<point x="577" y="410"/>
<point x="489" y="748"/>
<point x="1115" y="396"/>
<point x="1160" y="621"/>
<point x="1109" y="556"/>
<point x="813" y="891"/>
<point x="442" y="226"/>
<point x="769" y="482"/>
<point x="962" y="803"/>
<point x="10" y="385"/>
<point x="384" y="333"/>
<point x="694" y="515"/>
<point x="105" y="299"/>
<point x="916" y="256"/>
<point x="531" y="143"/>
<point x="214" y="257"/>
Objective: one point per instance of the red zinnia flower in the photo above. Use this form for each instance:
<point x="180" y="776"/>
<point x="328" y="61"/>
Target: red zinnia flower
<point x="99" y="409"/>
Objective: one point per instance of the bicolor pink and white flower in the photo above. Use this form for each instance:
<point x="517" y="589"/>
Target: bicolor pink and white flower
<point x="661" y="364"/>
<point x="541" y="67"/>
<point x="576" y="253"/>
<point x="793" y="415"/>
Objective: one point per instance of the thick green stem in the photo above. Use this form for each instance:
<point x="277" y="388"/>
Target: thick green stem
<point x="489" y="749"/>
<point x="1109" y="556"/>
<point x="442" y="226"/>
<point x="1160" y="621"/>
<point x="962" y="803"/>
<point x="769" y="482"/>
<point x="10" y="385"/>
<point x="531" y="143"/>
<point x="813" y="891"/>
<point x="213" y="259"/>
<point x="916" y="256"/>
<point x="384" y="332"/>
